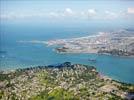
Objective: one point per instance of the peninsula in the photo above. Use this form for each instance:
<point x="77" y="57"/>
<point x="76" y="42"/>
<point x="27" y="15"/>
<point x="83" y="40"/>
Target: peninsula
<point x="64" y="81"/>
<point x="119" y="43"/>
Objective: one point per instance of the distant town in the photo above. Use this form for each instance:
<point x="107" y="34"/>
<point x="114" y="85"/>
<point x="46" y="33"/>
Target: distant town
<point x="119" y="43"/>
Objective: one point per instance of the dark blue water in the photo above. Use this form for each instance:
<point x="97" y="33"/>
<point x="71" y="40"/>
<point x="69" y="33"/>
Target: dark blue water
<point x="20" y="55"/>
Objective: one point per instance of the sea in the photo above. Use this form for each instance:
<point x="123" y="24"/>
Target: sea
<point x="14" y="54"/>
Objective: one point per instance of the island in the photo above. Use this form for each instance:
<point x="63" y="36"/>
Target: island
<point x="64" y="81"/>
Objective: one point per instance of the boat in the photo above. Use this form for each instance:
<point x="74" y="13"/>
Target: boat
<point x="92" y="60"/>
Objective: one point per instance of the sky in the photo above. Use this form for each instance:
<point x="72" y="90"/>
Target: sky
<point x="67" y="10"/>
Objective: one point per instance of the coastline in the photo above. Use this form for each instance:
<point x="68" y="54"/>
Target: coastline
<point x="72" y="78"/>
<point x="38" y="68"/>
<point x="114" y="43"/>
<point x="131" y="56"/>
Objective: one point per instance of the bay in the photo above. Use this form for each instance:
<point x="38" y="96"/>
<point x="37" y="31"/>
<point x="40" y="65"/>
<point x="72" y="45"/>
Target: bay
<point x="15" y="55"/>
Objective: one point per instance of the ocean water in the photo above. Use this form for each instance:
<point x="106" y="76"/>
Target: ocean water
<point x="14" y="54"/>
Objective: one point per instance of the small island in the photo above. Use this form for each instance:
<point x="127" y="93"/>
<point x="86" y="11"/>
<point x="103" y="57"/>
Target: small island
<point x="64" y="81"/>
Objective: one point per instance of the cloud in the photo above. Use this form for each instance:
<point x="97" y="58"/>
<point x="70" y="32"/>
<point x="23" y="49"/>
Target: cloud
<point x="70" y="14"/>
<point x="15" y="15"/>
<point x="130" y="10"/>
<point x="110" y="15"/>
<point x="91" y="12"/>
<point x="69" y="11"/>
<point x="66" y="13"/>
<point x="53" y="14"/>
<point x="128" y="13"/>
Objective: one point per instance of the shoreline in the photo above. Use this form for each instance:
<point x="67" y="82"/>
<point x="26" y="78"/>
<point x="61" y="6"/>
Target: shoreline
<point x="39" y="68"/>
<point x="114" y="43"/>
<point x="76" y="80"/>
<point x="132" y="56"/>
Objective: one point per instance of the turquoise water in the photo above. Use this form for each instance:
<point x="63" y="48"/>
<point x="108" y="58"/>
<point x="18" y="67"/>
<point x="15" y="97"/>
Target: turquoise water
<point x="20" y="55"/>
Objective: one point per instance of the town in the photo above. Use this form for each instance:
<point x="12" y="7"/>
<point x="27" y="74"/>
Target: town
<point x="119" y="43"/>
<point x="64" y="81"/>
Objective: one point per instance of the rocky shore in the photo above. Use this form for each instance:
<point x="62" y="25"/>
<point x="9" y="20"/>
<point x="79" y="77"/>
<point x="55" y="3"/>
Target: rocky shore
<point x="64" y="81"/>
